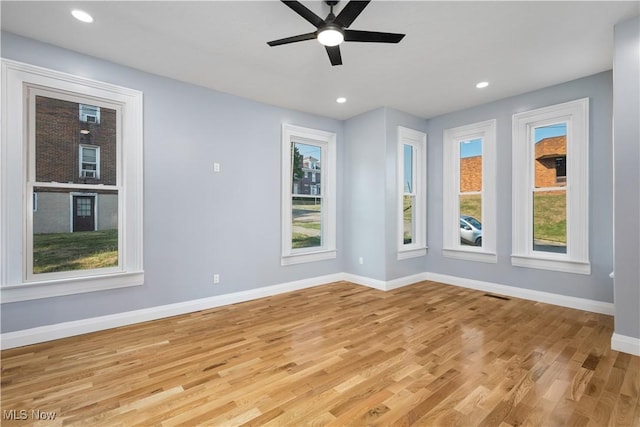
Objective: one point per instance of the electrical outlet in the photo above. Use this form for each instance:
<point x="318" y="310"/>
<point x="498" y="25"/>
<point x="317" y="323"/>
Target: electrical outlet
<point x="361" y="260"/>
<point x="216" y="167"/>
<point x="216" y="279"/>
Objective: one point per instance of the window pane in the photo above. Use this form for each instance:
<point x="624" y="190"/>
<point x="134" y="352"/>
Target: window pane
<point x="550" y="221"/>
<point x="471" y="166"/>
<point x="471" y="219"/>
<point x="408" y="228"/>
<point x="89" y="155"/>
<point x="89" y="113"/>
<point x="408" y="168"/>
<point x="306" y="160"/>
<point x="59" y="131"/>
<point x="74" y="230"/>
<point x="550" y="156"/>
<point x="306" y="225"/>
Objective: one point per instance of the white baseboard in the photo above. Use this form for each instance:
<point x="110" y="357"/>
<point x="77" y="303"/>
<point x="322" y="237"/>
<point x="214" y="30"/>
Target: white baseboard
<point x="625" y="344"/>
<point x="384" y="285"/>
<point x="528" y="294"/>
<point x="380" y="285"/>
<point x="84" y="326"/>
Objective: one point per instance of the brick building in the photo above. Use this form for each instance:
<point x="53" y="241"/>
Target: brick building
<point x="551" y="162"/>
<point x="550" y="166"/>
<point x="74" y="144"/>
<point x="471" y="174"/>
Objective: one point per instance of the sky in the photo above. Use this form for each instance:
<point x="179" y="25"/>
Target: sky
<point x="471" y="148"/>
<point x="549" y="131"/>
<point x="307" y="150"/>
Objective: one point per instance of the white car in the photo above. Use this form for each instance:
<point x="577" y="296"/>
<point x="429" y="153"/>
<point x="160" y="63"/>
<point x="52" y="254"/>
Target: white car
<point x="470" y="231"/>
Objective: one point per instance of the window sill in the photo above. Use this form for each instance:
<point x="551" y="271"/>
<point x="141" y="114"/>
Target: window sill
<point x="411" y="253"/>
<point x="471" y="255"/>
<point x="564" y="265"/>
<point x="61" y="287"/>
<point x="308" y="257"/>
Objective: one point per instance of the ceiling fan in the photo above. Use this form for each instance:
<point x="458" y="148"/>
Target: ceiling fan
<point x="333" y="30"/>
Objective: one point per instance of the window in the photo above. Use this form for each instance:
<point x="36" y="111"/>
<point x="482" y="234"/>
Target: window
<point x="469" y="199"/>
<point x="412" y="186"/>
<point x="561" y="170"/>
<point x="89" y="162"/>
<point x="309" y="204"/>
<point x="89" y="113"/>
<point x="550" y="188"/>
<point x="79" y="228"/>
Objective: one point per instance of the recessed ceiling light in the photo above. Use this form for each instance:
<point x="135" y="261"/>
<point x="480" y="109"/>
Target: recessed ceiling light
<point x="341" y="100"/>
<point x="482" y="85"/>
<point x="81" y="15"/>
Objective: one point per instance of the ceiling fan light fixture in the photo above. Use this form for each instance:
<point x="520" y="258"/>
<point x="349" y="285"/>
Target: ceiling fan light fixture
<point x="331" y="35"/>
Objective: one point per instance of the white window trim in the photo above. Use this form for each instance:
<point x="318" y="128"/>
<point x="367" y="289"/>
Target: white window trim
<point x="576" y="115"/>
<point x="327" y="142"/>
<point x="17" y="217"/>
<point x="81" y="149"/>
<point x="418" y="141"/>
<point x="451" y="185"/>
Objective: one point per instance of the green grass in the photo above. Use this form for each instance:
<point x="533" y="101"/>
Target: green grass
<point x="549" y="213"/>
<point x="309" y="225"/>
<point x="307" y="204"/>
<point x="408" y="220"/>
<point x="300" y="240"/>
<point x="471" y="205"/>
<point x="85" y="250"/>
<point x="550" y="217"/>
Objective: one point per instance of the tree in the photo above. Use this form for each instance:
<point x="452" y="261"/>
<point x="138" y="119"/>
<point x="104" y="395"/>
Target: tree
<point x="296" y="163"/>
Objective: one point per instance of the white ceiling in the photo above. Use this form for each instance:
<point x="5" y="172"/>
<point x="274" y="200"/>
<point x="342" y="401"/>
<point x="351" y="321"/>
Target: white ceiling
<point x="448" y="48"/>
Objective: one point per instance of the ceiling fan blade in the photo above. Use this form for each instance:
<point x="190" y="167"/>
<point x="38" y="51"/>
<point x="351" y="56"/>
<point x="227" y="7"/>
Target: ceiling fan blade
<point x="334" y="55"/>
<point x="350" y="12"/>
<point x="302" y="10"/>
<point x="371" y="36"/>
<point x="293" y="39"/>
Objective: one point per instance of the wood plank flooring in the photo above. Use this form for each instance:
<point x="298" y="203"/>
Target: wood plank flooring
<point x="340" y="355"/>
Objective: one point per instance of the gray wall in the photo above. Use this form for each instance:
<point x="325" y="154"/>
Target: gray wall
<point x="597" y="286"/>
<point x="365" y="185"/>
<point x="626" y="110"/>
<point x="53" y="214"/>
<point x="196" y="223"/>
<point x="107" y="211"/>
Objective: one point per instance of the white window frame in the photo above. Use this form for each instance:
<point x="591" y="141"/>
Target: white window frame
<point x="17" y="178"/>
<point x="418" y="142"/>
<point x="576" y="116"/>
<point x="81" y="149"/>
<point x="327" y="143"/>
<point x="452" y="138"/>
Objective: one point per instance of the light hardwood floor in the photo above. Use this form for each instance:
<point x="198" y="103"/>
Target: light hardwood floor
<point x="339" y="354"/>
